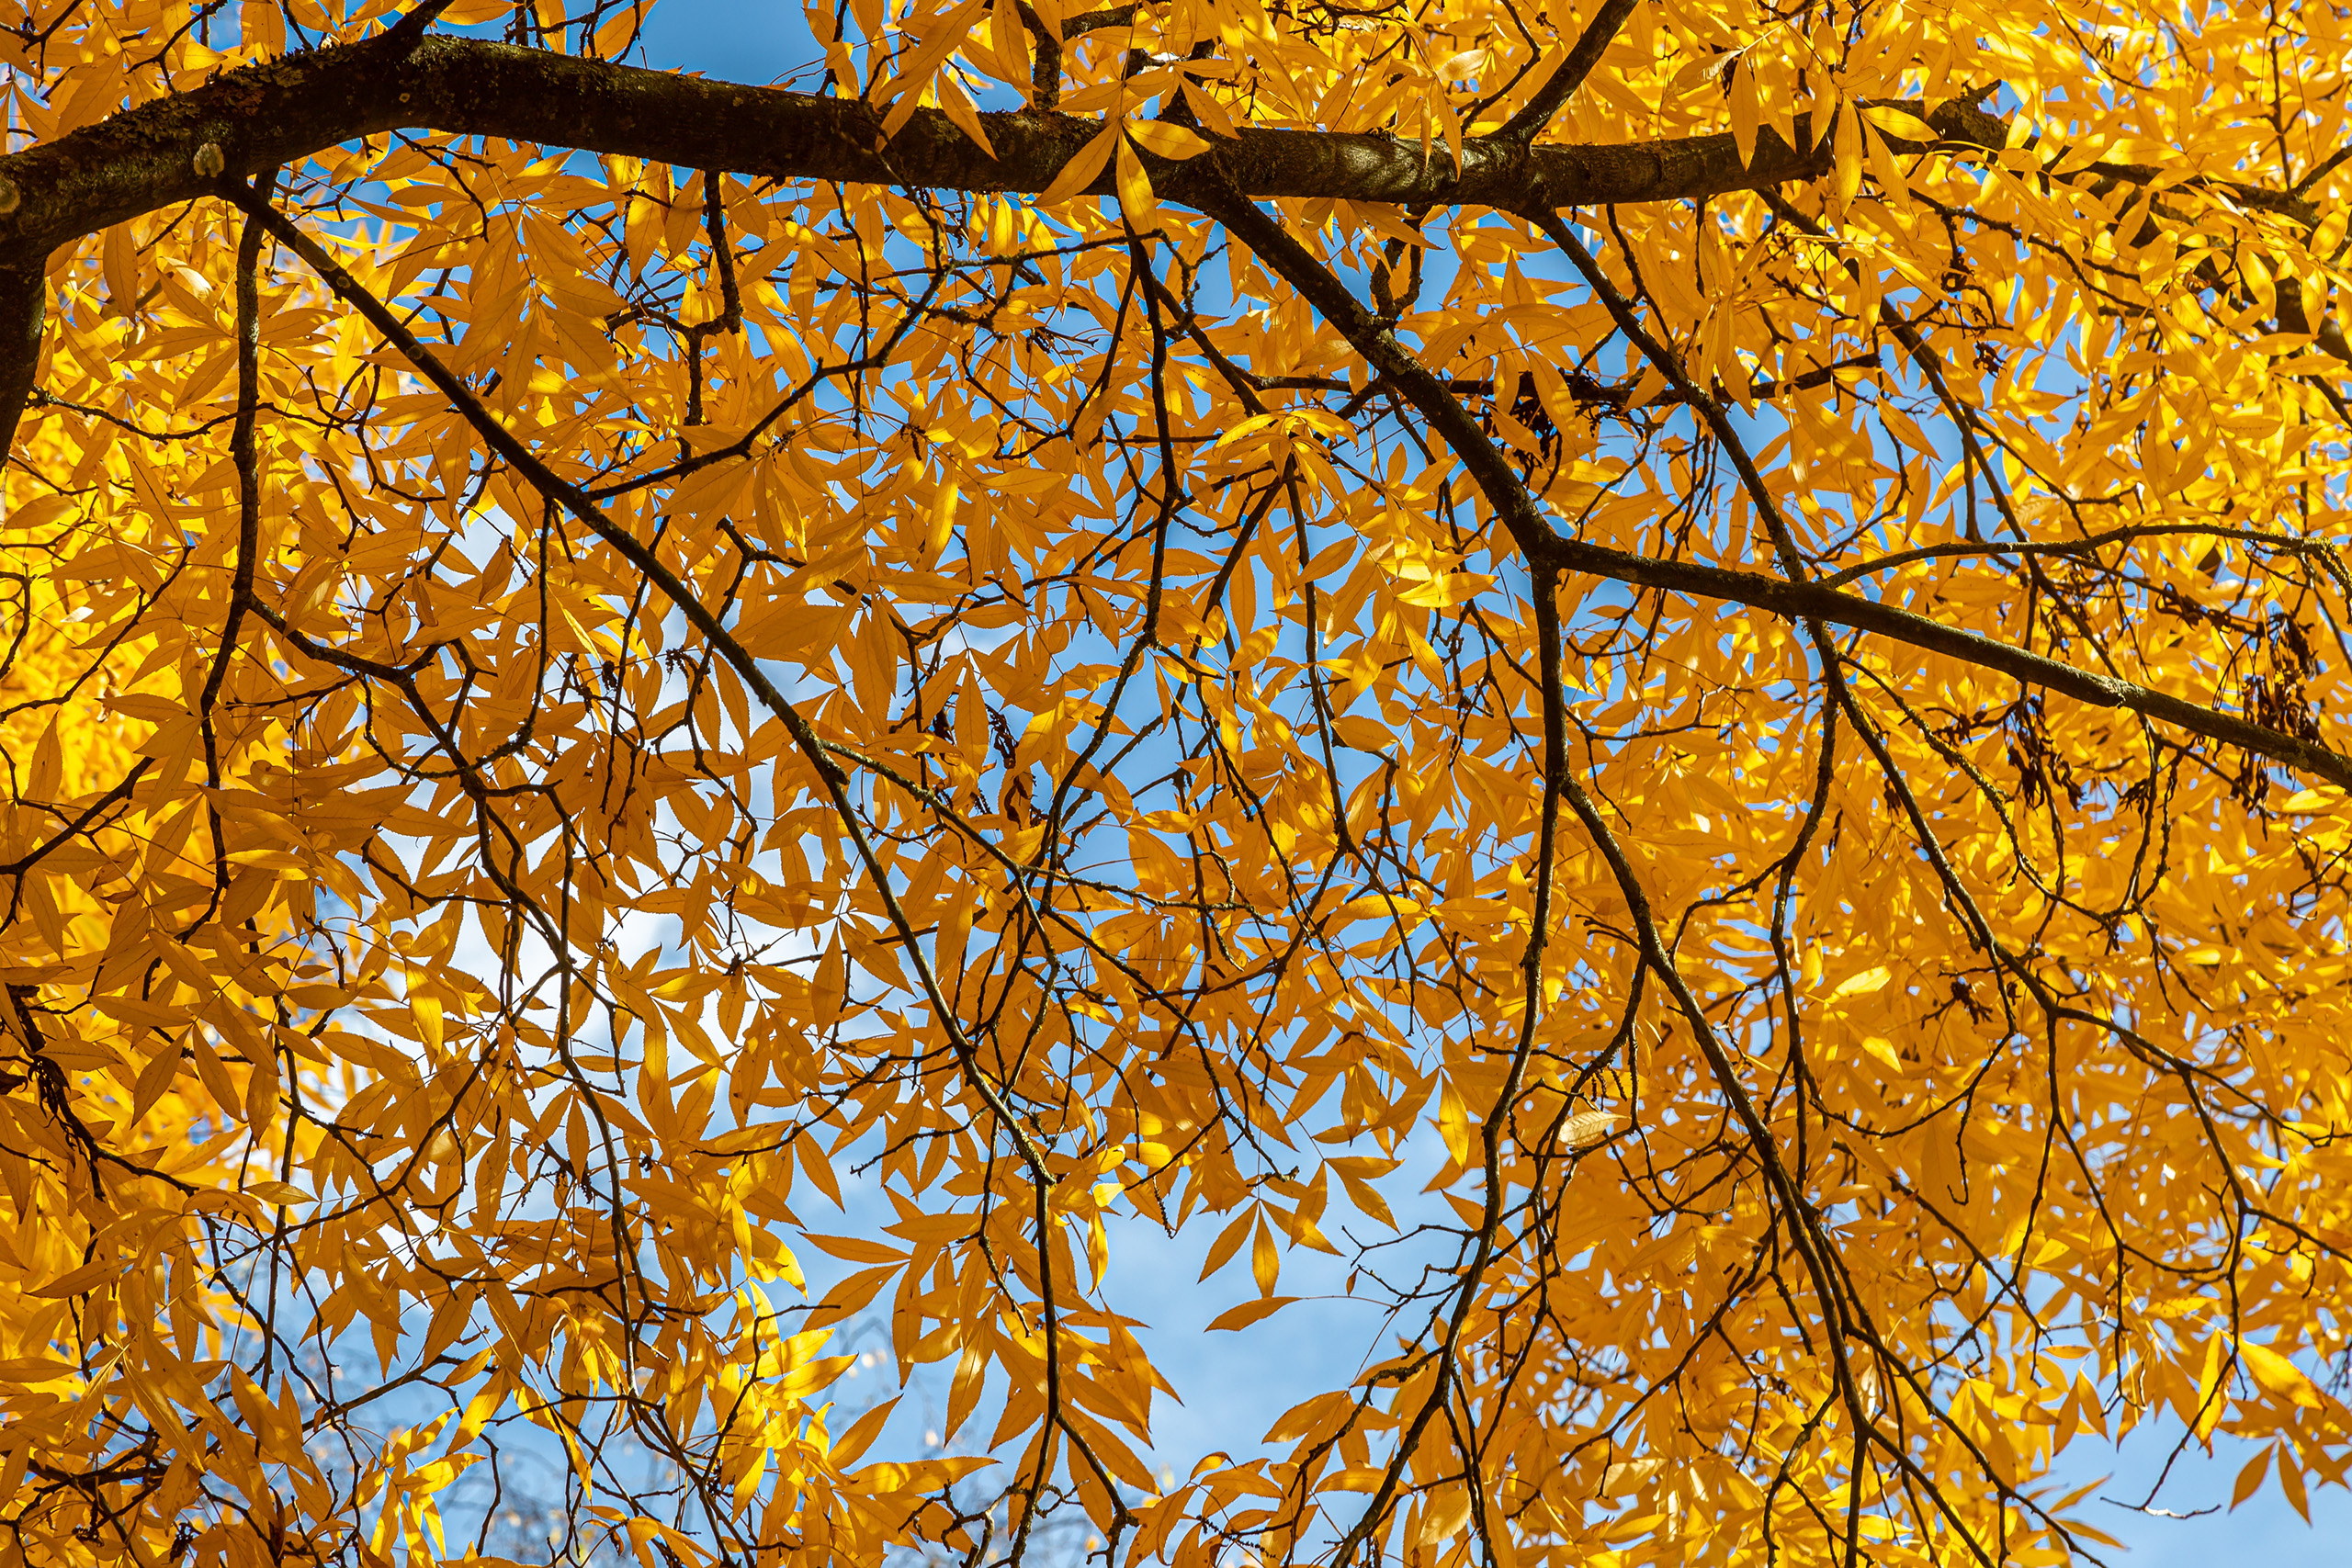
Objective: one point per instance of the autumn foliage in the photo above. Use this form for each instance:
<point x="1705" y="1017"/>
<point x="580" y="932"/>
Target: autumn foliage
<point x="1673" y="673"/>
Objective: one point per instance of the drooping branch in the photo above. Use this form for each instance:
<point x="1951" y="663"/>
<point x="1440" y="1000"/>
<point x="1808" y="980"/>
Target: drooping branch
<point x="1801" y="600"/>
<point x="1544" y="547"/>
<point x="832" y="780"/>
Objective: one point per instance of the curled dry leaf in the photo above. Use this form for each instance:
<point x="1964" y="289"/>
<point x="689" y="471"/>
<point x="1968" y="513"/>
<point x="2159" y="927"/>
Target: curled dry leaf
<point x="1588" y="1129"/>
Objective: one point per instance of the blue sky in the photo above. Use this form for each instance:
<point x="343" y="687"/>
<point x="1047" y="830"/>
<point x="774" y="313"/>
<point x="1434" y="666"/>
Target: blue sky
<point x="1235" y="1385"/>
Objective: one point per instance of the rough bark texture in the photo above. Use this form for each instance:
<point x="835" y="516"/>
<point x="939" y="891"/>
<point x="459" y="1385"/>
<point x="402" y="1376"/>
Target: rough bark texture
<point x="24" y="298"/>
<point x="268" y="115"/>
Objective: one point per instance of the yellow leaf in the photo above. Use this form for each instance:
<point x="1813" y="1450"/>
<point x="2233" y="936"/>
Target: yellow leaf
<point x="1084" y="166"/>
<point x="2291" y="1482"/>
<point x="279" y="1192"/>
<point x="1863" y="984"/>
<point x="2210" y="1404"/>
<point x="426" y="1010"/>
<point x="1136" y="200"/>
<point x="1899" y="123"/>
<point x="2279" y="1375"/>
<point x="1846" y="145"/>
<point x="1211" y="114"/>
<point x="1587" y="1129"/>
<point x="2250" y="1476"/>
<point x="1453" y="1124"/>
<point x="1446" y="1512"/>
<point x="1462" y="67"/>
<point x="1746" y="111"/>
<point x="1250" y="1311"/>
<point x="1628" y="1475"/>
<point x="1163" y="139"/>
<point x="860" y="1434"/>
<point x="961" y="113"/>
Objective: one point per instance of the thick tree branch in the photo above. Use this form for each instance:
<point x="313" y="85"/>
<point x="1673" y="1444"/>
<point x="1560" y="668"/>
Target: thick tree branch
<point x="24" y="294"/>
<point x="281" y="112"/>
<point x="288" y="109"/>
<point x="147" y="158"/>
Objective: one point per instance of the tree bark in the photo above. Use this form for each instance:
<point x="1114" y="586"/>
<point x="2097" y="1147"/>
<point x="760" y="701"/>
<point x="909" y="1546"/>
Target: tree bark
<point x="288" y="109"/>
<point x="23" y="300"/>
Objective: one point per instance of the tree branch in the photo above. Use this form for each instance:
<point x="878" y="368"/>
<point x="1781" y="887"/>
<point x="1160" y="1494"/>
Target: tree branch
<point x="556" y="488"/>
<point x="24" y="296"/>
<point x="1533" y="531"/>
<point x="1798" y="600"/>
<point x="288" y="109"/>
<point x="1583" y="55"/>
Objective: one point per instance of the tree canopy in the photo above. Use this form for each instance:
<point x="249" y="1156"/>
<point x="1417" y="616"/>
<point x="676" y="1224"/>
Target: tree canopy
<point x="1671" y="672"/>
